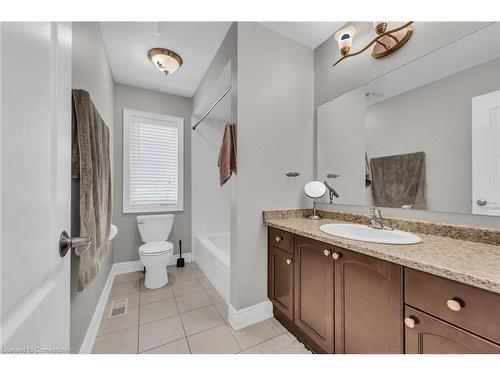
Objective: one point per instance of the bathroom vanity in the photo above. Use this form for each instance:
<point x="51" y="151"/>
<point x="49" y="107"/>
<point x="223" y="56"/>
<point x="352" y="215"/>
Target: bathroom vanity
<point x="344" y="296"/>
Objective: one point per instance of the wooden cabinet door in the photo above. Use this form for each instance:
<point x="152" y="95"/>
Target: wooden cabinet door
<point x="314" y="290"/>
<point x="280" y="280"/>
<point x="368" y="304"/>
<point x="430" y="335"/>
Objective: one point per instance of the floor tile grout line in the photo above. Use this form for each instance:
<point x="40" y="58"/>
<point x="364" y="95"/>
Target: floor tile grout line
<point x="266" y="321"/>
<point x="118" y="330"/>
<point x="260" y="343"/>
<point x="139" y="316"/>
<point x="182" y="324"/>
<point x="171" y="342"/>
<point x="234" y="337"/>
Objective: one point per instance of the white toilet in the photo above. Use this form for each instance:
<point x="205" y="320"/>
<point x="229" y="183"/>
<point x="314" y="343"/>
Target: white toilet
<point x="156" y="251"/>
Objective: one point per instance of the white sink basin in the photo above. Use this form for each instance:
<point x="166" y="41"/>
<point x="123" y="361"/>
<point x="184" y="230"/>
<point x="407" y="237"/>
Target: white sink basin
<point x="365" y="233"/>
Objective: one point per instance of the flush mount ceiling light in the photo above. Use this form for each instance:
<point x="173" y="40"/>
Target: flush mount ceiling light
<point x="386" y="41"/>
<point x="165" y="60"/>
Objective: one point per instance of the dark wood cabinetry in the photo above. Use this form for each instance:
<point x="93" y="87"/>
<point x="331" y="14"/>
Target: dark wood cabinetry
<point x="341" y="301"/>
<point x="314" y="288"/>
<point x="368" y="304"/>
<point x="280" y="280"/>
<point x="428" y="335"/>
<point x="471" y="308"/>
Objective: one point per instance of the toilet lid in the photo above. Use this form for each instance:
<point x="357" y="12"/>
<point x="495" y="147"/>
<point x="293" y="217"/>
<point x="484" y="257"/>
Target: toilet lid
<point x="156" y="247"/>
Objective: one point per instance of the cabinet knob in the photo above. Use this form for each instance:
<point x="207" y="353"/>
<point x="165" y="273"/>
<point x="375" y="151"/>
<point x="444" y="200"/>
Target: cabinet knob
<point x="288" y="261"/>
<point x="278" y="238"/>
<point x="336" y="256"/>
<point x="326" y="252"/>
<point x="410" y="322"/>
<point x="454" y="304"/>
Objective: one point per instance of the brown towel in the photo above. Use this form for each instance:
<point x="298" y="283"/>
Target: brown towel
<point x="399" y="180"/>
<point x="91" y="164"/>
<point x="227" y="154"/>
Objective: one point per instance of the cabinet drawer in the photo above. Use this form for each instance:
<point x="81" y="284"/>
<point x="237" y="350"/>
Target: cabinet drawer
<point x="471" y="308"/>
<point x="429" y="335"/>
<point x="281" y="239"/>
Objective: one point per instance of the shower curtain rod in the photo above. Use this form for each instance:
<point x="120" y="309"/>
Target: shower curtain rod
<point x="212" y="107"/>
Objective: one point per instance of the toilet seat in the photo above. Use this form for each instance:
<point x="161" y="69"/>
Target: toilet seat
<point x="156" y="248"/>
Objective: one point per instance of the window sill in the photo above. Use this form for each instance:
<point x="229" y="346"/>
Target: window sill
<point x="141" y="210"/>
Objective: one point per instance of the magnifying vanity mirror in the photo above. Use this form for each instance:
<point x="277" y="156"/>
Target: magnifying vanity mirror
<point x="314" y="190"/>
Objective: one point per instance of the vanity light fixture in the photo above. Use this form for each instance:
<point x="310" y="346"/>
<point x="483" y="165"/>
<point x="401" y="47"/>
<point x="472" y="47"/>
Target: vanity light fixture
<point x="165" y="60"/>
<point x="386" y="41"/>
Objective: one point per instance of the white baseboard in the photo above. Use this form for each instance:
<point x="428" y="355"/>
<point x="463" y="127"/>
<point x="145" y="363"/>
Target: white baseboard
<point x="93" y="329"/>
<point x="126" y="267"/>
<point x="250" y="315"/>
<point x="116" y="269"/>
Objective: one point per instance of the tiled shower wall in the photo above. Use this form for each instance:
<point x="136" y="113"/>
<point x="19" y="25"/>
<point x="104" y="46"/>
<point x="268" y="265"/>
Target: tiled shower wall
<point x="211" y="207"/>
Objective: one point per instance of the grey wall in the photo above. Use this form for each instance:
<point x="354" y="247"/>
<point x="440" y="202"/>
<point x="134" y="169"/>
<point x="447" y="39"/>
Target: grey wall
<point x="128" y="239"/>
<point x="275" y="135"/>
<point x="226" y="52"/>
<point x="91" y="72"/>
<point x="436" y="119"/>
<point x="354" y="72"/>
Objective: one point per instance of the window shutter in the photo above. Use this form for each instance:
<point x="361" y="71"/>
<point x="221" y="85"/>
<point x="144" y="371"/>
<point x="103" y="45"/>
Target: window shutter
<point x="154" y="159"/>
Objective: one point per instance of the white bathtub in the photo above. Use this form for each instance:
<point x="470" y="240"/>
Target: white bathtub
<point x="212" y="256"/>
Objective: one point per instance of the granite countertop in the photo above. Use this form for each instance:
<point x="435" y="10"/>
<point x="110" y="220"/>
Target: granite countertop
<point x="471" y="263"/>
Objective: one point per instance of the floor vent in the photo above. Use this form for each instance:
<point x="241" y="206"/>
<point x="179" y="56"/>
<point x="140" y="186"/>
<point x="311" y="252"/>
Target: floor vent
<point x="118" y="308"/>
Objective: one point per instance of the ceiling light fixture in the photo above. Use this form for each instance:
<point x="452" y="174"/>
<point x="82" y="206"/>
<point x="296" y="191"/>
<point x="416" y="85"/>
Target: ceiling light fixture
<point x="386" y="41"/>
<point x="165" y="60"/>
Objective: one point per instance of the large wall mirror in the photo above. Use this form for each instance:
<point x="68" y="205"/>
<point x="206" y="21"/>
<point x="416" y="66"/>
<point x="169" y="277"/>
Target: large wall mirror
<point x="425" y="136"/>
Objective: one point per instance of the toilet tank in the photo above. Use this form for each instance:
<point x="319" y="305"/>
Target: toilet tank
<point x="155" y="227"/>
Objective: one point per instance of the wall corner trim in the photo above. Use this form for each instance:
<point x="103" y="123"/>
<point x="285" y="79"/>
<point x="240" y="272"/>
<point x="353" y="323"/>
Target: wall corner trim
<point x="247" y="316"/>
<point x="116" y="269"/>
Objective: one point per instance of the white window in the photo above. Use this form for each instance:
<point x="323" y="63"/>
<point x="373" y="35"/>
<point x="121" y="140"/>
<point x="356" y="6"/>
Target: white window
<point x="152" y="162"/>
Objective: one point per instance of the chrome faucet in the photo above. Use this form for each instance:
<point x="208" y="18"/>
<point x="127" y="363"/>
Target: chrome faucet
<point x="377" y="222"/>
<point x="331" y="192"/>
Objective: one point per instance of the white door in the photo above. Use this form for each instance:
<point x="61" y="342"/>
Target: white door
<point x="35" y="106"/>
<point x="486" y="154"/>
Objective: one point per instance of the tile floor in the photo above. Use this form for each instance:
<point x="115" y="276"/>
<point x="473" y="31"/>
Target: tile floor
<point x="186" y="316"/>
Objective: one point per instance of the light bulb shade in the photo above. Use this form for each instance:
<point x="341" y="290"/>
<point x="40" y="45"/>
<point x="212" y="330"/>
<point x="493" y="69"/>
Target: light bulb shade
<point x="165" y="60"/>
<point x="344" y="38"/>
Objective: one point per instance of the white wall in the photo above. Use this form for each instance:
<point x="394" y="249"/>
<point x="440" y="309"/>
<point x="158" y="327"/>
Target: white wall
<point x="211" y="203"/>
<point x="275" y="101"/>
<point x="90" y="71"/>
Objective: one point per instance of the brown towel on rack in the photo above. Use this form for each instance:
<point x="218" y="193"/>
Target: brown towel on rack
<point x="227" y="154"/>
<point x="91" y="164"/>
<point x="399" y="180"/>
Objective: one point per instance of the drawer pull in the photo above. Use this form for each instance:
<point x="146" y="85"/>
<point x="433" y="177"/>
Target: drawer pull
<point x="410" y="322"/>
<point x="289" y="261"/>
<point x="336" y="256"/>
<point x="326" y="252"/>
<point x="455" y="304"/>
<point x="278" y="238"/>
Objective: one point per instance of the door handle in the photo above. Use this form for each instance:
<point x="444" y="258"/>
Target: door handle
<point x="80" y="244"/>
<point x="482" y="202"/>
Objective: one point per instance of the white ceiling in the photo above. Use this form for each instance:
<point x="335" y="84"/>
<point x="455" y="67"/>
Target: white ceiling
<point x="127" y="45"/>
<point x="310" y="34"/>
